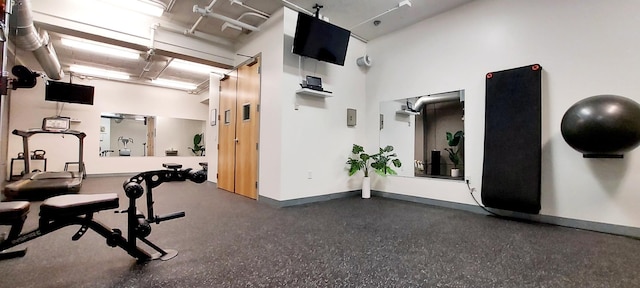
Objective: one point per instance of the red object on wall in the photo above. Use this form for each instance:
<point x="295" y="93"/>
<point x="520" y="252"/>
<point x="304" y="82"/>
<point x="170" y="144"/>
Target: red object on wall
<point x="2" y="6"/>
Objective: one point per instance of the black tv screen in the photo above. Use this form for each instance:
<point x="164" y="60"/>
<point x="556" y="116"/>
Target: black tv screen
<point x="68" y="92"/>
<point x="320" y="40"/>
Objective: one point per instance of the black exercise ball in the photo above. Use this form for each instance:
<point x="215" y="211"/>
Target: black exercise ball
<point x="602" y="125"/>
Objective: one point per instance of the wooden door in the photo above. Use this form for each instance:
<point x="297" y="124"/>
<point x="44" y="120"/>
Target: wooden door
<point x="227" y="133"/>
<point x="247" y="127"/>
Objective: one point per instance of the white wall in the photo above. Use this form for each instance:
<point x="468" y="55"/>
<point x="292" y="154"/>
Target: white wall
<point x="302" y="135"/>
<point x="315" y="137"/>
<point x="585" y="49"/>
<point x="28" y="108"/>
<point x="269" y="43"/>
<point x="4" y="134"/>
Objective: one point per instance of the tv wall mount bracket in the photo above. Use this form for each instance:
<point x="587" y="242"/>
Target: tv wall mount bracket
<point x="317" y="7"/>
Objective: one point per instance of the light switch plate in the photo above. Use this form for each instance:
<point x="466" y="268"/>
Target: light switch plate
<point x="351" y="117"/>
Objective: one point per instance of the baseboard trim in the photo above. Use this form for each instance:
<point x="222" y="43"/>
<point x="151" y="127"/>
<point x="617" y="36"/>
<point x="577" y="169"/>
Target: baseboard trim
<point x="306" y="200"/>
<point x="427" y="201"/>
<point x="547" y="219"/>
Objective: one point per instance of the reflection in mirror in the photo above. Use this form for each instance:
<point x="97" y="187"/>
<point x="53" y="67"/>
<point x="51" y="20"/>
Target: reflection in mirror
<point x="125" y="135"/>
<point x="417" y="128"/>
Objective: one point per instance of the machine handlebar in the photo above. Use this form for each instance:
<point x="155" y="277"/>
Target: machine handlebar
<point x="157" y="219"/>
<point x="134" y="189"/>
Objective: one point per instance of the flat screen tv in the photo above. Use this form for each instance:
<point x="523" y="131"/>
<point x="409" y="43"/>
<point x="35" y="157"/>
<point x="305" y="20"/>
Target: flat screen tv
<point x="68" y="92"/>
<point x="320" y="40"/>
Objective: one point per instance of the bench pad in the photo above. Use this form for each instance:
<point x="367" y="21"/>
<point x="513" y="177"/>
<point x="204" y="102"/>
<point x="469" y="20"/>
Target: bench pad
<point x="172" y="165"/>
<point x="11" y="211"/>
<point x="74" y="205"/>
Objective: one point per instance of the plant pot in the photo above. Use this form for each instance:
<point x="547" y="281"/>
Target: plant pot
<point x="366" y="188"/>
<point x="455" y="172"/>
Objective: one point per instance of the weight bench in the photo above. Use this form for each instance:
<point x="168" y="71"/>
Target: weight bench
<point x="61" y="211"/>
<point x="65" y="206"/>
<point x="78" y="209"/>
<point x="13" y="214"/>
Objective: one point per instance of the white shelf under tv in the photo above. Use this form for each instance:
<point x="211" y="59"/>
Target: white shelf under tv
<point x="311" y="92"/>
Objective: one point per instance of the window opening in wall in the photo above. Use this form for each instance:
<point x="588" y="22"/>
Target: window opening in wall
<point x="246" y="112"/>
<point x="227" y="117"/>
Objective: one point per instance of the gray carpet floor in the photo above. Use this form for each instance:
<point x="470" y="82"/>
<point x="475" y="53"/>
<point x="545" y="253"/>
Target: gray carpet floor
<point x="227" y="240"/>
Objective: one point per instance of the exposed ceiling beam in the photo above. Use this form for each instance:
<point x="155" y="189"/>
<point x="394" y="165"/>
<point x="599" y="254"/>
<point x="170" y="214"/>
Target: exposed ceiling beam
<point x="63" y="17"/>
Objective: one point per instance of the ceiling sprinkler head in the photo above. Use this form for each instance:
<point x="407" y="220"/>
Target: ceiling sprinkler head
<point x="376" y="22"/>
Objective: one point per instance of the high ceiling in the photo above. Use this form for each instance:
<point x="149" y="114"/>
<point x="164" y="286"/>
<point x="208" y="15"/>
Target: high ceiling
<point x="349" y="14"/>
<point x="228" y="20"/>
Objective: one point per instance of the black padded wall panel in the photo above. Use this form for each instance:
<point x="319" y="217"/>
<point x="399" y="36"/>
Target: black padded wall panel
<point x="511" y="171"/>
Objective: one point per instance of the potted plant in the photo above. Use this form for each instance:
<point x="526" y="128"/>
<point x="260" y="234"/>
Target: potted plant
<point x="453" y="140"/>
<point x="379" y="162"/>
<point x="197" y="149"/>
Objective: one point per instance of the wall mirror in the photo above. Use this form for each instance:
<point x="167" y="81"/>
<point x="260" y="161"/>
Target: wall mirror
<point x="131" y="135"/>
<point x="417" y="129"/>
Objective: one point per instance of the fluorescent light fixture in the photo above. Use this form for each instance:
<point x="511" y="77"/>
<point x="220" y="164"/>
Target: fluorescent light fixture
<point x="195" y="67"/>
<point x="175" y="84"/>
<point x="149" y="7"/>
<point x="86" y="70"/>
<point x="101" y="48"/>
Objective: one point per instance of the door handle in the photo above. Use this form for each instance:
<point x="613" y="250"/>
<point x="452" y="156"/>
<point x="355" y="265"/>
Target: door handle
<point x="235" y="140"/>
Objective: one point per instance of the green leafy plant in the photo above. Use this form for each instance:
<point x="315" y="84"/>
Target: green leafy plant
<point x="453" y="140"/>
<point x="382" y="159"/>
<point x="379" y="161"/>
<point x="197" y="149"/>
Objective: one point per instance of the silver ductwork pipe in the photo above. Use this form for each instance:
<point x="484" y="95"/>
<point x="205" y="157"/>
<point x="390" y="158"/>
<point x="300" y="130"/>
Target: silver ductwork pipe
<point x="28" y="38"/>
<point x="207" y="12"/>
<point x="444" y="97"/>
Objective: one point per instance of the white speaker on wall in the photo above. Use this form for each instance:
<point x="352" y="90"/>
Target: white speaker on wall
<point x="364" y="61"/>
